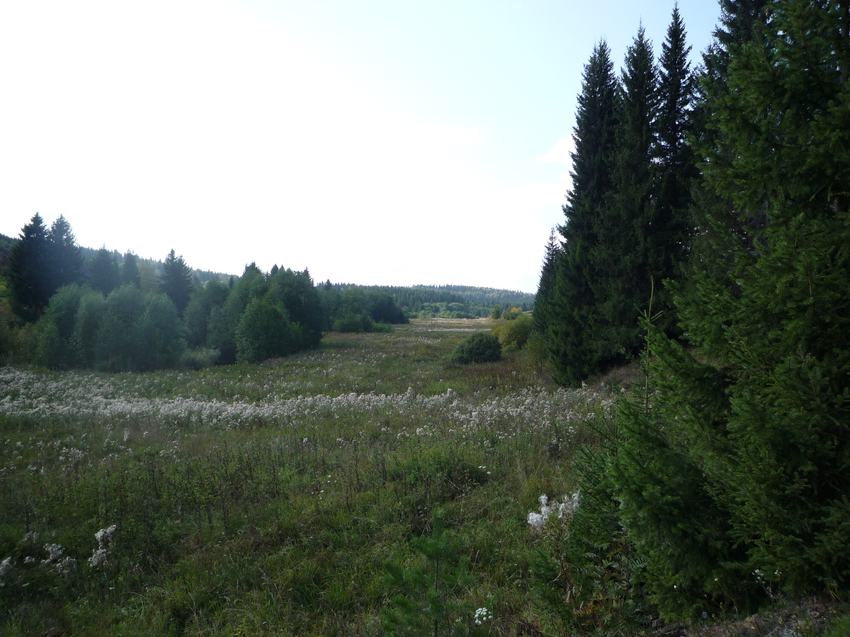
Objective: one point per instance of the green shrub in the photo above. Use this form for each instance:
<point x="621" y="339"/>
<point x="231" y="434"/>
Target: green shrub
<point x="514" y="334"/>
<point x="353" y="323"/>
<point x="512" y="313"/>
<point x="265" y="331"/>
<point x="478" y="348"/>
<point x="199" y="358"/>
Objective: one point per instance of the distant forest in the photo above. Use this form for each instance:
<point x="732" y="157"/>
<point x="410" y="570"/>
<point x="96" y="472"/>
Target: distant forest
<point x="64" y="306"/>
<point x="451" y="301"/>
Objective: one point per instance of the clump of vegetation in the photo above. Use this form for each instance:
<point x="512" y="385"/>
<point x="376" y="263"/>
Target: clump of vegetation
<point x="513" y="334"/>
<point x="478" y="348"/>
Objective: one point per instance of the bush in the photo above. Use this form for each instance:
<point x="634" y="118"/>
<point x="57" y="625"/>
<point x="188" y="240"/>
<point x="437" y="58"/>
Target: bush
<point x="478" y="348"/>
<point x="199" y="358"/>
<point x="514" y="334"/>
<point x="512" y="313"/>
<point x="265" y="331"/>
<point x="353" y="323"/>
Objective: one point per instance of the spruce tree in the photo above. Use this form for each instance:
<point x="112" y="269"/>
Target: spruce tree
<point x="176" y="281"/>
<point x="756" y="410"/>
<point x="66" y="258"/>
<point x="130" y="271"/>
<point x="624" y="273"/>
<point x="544" y="298"/>
<point x="573" y="343"/>
<point x="675" y="159"/>
<point x="104" y="275"/>
<point x="30" y="270"/>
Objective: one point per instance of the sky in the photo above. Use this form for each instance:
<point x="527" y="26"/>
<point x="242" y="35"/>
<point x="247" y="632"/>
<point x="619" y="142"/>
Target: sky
<point x="376" y="142"/>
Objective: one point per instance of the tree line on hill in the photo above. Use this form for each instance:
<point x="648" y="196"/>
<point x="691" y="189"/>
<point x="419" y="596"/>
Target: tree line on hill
<point x="707" y="232"/>
<point x="62" y="311"/>
<point x="451" y="301"/>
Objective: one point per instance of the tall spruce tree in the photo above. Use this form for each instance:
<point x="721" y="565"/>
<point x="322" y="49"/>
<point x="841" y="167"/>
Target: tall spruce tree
<point x="65" y="256"/>
<point x="624" y="227"/>
<point x="176" y="281"/>
<point x="130" y="271"/>
<point x="544" y="298"/>
<point x="573" y="335"/>
<point x="104" y="275"/>
<point x="756" y="412"/>
<point x="676" y="161"/>
<point x="30" y="270"/>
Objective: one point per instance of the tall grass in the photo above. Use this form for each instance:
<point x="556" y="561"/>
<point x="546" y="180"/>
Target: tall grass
<point x="267" y="499"/>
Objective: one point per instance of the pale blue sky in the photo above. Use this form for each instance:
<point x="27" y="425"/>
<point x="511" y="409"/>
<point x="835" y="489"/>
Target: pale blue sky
<point x="375" y="142"/>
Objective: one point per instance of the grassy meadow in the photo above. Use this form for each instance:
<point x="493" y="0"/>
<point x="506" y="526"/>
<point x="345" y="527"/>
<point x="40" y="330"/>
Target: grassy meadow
<point x="268" y="499"/>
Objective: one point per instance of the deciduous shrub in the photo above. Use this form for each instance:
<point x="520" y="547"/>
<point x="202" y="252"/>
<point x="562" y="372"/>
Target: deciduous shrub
<point x="478" y="348"/>
<point x="513" y="334"/>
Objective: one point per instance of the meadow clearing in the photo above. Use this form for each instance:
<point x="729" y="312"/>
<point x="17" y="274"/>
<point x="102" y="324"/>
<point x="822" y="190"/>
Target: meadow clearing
<point x="268" y="499"/>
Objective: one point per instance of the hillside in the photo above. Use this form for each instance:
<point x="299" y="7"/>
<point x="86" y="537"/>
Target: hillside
<point x="451" y="301"/>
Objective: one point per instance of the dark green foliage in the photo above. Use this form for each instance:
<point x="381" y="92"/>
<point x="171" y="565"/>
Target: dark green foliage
<point x="382" y="309"/>
<point x="66" y="259"/>
<point x="514" y="334"/>
<point x="134" y="332"/>
<point x="445" y="301"/>
<point x="295" y="292"/>
<point x="575" y="317"/>
<point x="262" y="317"/>
<point x="104" y="275"/>
<point x="221" y="330"/>
<point x="130" y="271"/>
<point x="585" y="569"/>
<point x="353" y="323"/>
<point x="90" y="313"/>
<point x="41" y="262"/>
<point x="627" y="255"/>
<point x="360" y="309"/>
<point x="29" y="270"/>
<point x="176" y="281"/>
<point x="668" y="505"/>
<point x="744" y="451"/>
<point x="205" y="298"/>
<point x="57" y="344"/>
<point x="265" y="331"/>
<point x="478" y="348"/>
<point x="160" y="334"/>
<point x="627" y="226"/>
<point x="545" y="297"/>
<point x="676" y="162"/>
<point x="425" y="603"/>
<point x="199" y="358"/>
<point x="117" y="346"/>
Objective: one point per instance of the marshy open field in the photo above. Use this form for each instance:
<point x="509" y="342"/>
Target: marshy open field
<point x="276" y="499"/>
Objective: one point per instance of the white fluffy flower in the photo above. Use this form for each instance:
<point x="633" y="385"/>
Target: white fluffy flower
<point x="536" y="520"/>
<point x="99" y="559"/>
<point x="5" y="569"/>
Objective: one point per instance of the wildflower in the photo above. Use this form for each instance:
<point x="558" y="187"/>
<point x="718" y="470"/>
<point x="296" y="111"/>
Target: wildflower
<point x="536" y="520"/>
<point x="100" y="556"/>
<point x="54" y="552"/>
<point x="5" y="569"/>
<point x="104" y="536"/>
<point x="482" y="615"/>
<point x="564" y="509"/>
<point x="99" y="559"/>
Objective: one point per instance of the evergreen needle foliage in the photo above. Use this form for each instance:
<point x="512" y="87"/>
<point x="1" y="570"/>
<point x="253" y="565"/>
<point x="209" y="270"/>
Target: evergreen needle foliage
<point x="732" y="474"/>
<point x="478" y="348"/>
<point x="428" y="602"/>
